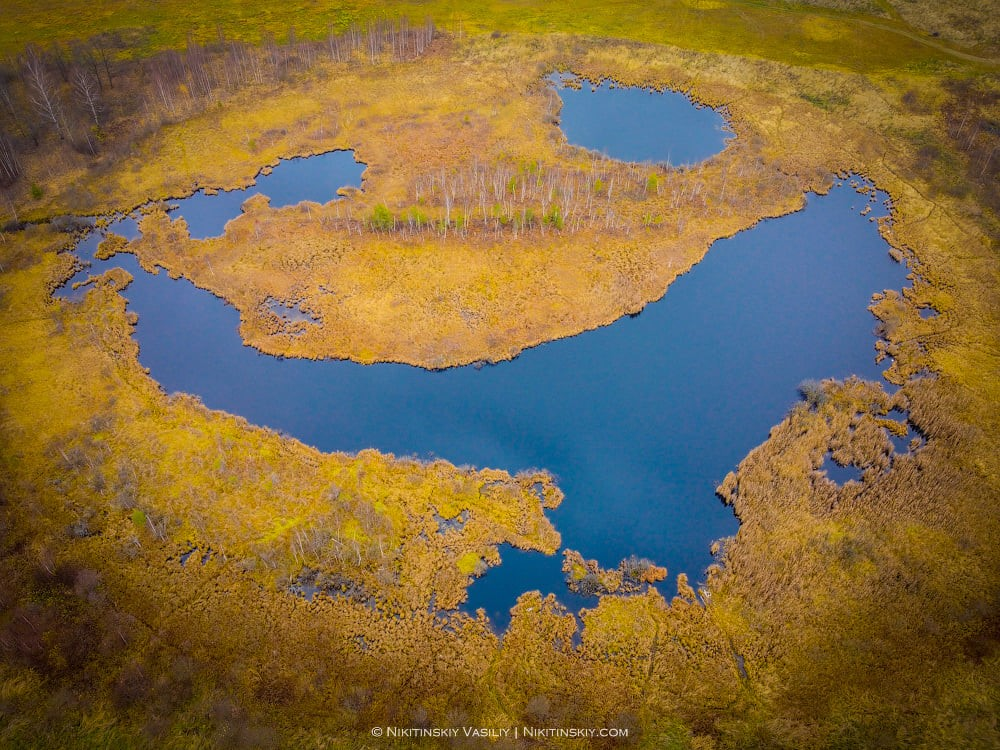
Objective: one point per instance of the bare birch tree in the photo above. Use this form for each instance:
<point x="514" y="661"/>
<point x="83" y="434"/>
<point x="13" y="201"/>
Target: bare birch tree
<point x="88" y="94"/>
<point x="42" y="91"/>
<point x="10" y="166"/>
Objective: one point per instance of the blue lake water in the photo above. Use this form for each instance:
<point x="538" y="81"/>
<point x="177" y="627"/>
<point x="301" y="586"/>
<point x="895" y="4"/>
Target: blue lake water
<point x="314" y="178"/>
<point x="636" y="124"/>
<point x="639" y="420"/>
<point x="840" y="474"/>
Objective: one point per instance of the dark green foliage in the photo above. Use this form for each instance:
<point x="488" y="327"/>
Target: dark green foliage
<point x="381" y="218"/>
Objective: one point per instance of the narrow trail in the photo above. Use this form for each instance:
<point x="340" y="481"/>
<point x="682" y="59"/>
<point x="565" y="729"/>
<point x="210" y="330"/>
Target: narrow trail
<point x="851" y="18"/>
<point x="991" y="61"/>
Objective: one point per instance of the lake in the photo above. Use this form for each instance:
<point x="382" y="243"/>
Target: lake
<point x="637" y="124"/>
<point x="639" y="420"/>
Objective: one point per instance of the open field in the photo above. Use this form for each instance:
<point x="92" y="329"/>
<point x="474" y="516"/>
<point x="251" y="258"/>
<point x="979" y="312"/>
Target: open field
<point x="854" y="616"/>
<point x="776" y="31"/>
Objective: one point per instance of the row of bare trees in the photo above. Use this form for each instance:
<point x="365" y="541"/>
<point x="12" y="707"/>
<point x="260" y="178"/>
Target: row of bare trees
<point x="508" y="199"/>
<point x="970" y="117"/>
<point x="517" y="197"/>
<point x="399" y="38"/>
<point x="179" y="80"/>
<point x="53" y="90"/>
<point x="70" y="92"/>
<point x="351" y="535"/>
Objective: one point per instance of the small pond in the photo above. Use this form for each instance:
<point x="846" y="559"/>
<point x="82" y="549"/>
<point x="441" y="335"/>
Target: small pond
<point x="637" y="124"/>
<point x="315" y="178"/>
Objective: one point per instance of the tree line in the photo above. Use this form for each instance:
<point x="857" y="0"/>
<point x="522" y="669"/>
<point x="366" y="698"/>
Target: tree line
<point x="60" y="90"/>
<point x="85" y="93"/>
<point x="509" y="199"/>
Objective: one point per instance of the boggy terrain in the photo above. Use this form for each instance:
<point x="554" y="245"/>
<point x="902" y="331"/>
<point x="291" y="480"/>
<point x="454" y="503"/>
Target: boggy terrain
<point x="480" y="231"/>
<point x="861" y="615"/>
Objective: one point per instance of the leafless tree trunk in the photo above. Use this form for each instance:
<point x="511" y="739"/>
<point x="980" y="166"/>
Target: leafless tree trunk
<point x="987" y="160"/>
<point x="83" y="57"/>
<point x="101" y="44"/>
<point x="10" y="166"/>
<point x="58" y="57"/>
<point x="42" y="92"/>
<point x="88" y="94"/>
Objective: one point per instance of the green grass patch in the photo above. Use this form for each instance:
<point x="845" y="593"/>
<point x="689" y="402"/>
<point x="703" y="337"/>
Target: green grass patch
<point x="791" y="34"/>
<point x="468" y="563"/>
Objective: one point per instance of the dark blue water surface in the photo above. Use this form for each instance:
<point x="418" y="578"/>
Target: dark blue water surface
<point x="840" y="474"/>
<point x="635" y="124"/>
<point x="639" y="420"/>
<point x="314" y="178"/>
